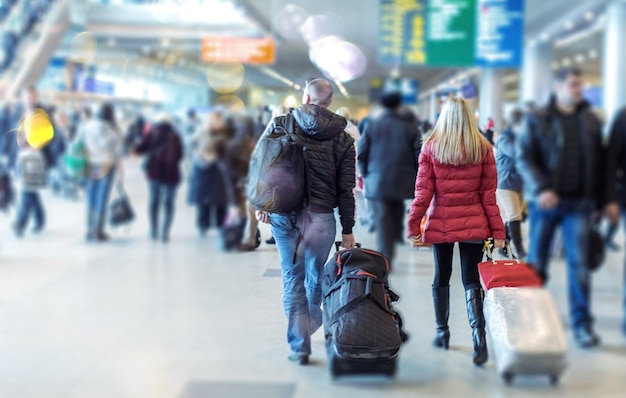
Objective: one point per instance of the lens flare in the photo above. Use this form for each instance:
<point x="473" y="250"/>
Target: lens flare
<point x="83" y="48"/>
<point x="230" y="102"/>
<point x="289" y="20"/>
<point x="226" y="78"/>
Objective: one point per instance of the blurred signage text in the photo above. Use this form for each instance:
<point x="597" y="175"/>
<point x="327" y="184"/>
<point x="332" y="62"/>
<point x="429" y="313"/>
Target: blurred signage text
<point x="238" y="49"/>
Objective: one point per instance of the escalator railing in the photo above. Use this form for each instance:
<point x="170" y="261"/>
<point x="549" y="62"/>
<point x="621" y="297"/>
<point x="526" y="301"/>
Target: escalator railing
<point x="36" y="28"/>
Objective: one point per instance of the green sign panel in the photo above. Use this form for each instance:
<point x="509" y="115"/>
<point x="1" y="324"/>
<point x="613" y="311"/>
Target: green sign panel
<point x="450" y="32"/>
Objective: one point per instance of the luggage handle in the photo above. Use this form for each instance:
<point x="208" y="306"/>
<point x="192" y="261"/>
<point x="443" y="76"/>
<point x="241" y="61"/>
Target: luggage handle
<point x="490" y="246"/>
<point x="338" y="245"/>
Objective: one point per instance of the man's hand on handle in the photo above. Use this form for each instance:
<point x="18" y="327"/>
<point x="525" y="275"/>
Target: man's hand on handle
<point x="347" y="241"/>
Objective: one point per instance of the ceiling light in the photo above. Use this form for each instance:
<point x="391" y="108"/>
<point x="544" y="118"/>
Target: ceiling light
<point x="569" y="25"/>
<point x="593" y="54"/>
<point x="545" y="37"/>
<point x="165" y="42"/>
<point x="111" y="42"/>
<point x="566" y="62"/>
<point x="589" y="15"/>
<point x="580" y="58"/>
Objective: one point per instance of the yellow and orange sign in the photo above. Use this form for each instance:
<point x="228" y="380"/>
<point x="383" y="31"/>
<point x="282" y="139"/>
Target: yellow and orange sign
<point x="238" y="49"/>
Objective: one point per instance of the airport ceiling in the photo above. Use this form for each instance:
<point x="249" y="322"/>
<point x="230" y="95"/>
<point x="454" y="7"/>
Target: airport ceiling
<point x="175" y="42"/>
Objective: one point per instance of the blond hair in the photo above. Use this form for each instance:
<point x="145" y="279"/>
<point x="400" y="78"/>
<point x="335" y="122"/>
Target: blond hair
<point x="455" y="139"/>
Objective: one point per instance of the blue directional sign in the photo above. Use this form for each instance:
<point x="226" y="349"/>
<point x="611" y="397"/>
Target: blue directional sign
<point x="500" y="33"/>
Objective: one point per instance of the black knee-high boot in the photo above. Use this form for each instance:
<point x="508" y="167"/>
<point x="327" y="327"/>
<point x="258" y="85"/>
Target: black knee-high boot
<point x="441" y="300"/>
<point x="474" y="299"/>
<point x="515" y="233"/>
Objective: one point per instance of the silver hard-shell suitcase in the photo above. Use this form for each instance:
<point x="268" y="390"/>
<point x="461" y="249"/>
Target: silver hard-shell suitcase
<point x="526" y="332"/>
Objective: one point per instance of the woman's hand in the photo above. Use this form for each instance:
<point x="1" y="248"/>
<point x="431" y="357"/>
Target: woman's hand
<point x="499" y="243"/>
<point x="416" y="241"/>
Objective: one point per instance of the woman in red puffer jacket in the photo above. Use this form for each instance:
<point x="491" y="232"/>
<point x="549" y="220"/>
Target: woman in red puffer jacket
<point x="457" y="179"/>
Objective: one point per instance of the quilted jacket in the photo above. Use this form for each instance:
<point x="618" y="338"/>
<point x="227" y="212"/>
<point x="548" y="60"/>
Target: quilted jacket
<point x="462" y="201"/>
<point x="330" y="160"/>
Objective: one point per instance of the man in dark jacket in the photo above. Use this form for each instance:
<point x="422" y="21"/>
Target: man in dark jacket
<point x="560" y="163"/>
<point x="304" y="239"/>
<point x="389" y="150"/>
<point x="615" y="179"/>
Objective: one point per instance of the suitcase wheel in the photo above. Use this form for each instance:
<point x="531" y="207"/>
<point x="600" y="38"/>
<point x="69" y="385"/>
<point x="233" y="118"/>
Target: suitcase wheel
<point x="508" y="378"/>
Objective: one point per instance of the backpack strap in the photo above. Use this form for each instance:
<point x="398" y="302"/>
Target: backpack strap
<point x="355" y="302"/>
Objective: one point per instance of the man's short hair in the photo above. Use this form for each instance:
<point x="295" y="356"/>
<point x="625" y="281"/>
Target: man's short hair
<point x="391" y="100"/>
<point x="320" y="91"/>
<point x="563" y="73"/>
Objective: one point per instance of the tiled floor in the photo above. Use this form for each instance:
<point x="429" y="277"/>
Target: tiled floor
<point x="134" y="318"/>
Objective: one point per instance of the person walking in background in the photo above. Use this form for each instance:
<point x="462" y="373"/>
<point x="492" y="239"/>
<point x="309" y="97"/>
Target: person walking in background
<point x="103" y="145"/>
<point x="31" y="177"/>
<point x="615" y="182"/>
<point x="210" y="187"/>
<point x="240" y="151"/>
<point x="559" y="159"/>
<point x="457" y="180"/>
<point x="277" y="111"/>
<point x="509" y="194"/>
<point x="388" y="154"/>
<point x="351" y="128"/>
<point x="304" y="239"/>
<point x="164" y="151"/>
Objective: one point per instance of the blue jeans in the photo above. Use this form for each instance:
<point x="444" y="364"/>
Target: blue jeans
<point x="166" y="193"/>
<point x="30" y="203"/>
<point x="574" y="218"/>
<point x="302" y="290"/>
<point x="98" y="191"/>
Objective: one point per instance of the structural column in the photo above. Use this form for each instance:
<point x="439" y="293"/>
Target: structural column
<point x="432" y="118"/>
<point x="614" y="59"/>
<point x="536" y="76"/>
<point x="492" y="97"/>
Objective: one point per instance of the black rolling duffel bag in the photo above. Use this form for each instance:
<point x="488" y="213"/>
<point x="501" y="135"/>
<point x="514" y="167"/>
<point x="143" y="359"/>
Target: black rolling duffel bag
<point x="363" y="332"/>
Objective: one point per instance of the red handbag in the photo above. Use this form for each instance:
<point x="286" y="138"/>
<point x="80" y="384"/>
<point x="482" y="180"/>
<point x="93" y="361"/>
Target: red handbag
<point x="506" y="273"/>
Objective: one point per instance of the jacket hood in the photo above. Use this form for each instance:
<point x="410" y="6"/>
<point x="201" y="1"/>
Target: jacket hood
<point x="318" y="123"/>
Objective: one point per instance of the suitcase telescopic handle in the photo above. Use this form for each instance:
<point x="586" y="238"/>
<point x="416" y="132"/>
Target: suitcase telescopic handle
<point x="338" y="245"/>
<point x="490" y="246"/>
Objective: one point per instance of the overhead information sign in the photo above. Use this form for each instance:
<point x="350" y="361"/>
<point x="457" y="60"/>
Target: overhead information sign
<point x="499" y="39"/>
<point x="451" y="32"/>
<point x="238" y="49"/>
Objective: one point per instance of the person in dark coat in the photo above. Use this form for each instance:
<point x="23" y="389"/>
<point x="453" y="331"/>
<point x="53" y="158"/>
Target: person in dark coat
<point x="615" y="180"/>
<point x="560" y="160"/>
<point x="510" y="193"/>
<point x="164" y="152"/>
<point x="388" y="156"/>
<point x="211" y="188"/>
